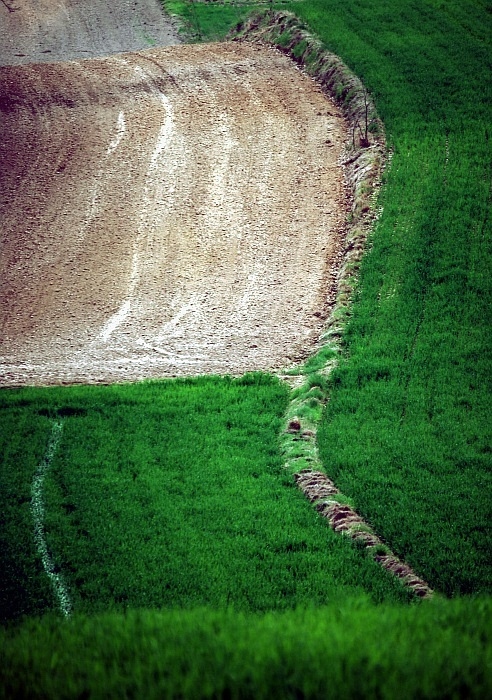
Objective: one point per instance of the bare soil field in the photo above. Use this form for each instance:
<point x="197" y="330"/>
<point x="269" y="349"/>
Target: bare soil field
<point x="168" y="212"/>
<point x="35" y="31"/>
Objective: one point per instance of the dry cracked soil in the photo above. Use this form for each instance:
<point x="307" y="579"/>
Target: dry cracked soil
<point x="167" y="211"/>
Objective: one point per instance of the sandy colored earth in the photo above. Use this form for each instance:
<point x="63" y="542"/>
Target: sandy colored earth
<point x="35" y="31"/>
<point x="170" y="212"/>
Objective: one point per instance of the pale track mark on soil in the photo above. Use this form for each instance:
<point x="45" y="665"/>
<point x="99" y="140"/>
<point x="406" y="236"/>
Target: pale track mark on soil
<point x="163" y="139"/>
<point x="115" y="320"/>
<point x="121" y="128"/>
<point x="103" y="169"/>
<point x="164" y="134"/>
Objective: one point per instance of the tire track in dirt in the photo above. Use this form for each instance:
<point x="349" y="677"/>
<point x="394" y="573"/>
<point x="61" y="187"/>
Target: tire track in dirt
<point x="168" y="212"/>
<point x="151" y="185"/>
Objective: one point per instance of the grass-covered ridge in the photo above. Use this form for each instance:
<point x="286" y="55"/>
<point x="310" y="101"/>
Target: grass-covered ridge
<point x="407" y="431"/>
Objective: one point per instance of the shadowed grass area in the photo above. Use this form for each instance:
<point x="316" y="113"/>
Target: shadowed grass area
<point x="352" y="650"/>
<point x="202" y="21"/>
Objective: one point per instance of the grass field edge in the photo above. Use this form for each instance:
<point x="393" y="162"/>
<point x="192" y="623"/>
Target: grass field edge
<point x="364" y="159"/>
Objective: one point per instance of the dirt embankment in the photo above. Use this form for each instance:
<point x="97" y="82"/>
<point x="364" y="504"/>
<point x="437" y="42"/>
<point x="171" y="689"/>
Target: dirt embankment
<point x="175" y="211"/>
<point x="34" y="31"/>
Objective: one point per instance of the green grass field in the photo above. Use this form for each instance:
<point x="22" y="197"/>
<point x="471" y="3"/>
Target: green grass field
<point x="194" y="567"/>
<point x="353" y="650"/>
<point x="407" y="432"/>
<point x="166" y="494"/>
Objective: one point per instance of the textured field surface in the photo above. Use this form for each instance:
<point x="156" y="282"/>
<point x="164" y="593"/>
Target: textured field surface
<point x="35" y="31"/>
<point x="174" y="211"/>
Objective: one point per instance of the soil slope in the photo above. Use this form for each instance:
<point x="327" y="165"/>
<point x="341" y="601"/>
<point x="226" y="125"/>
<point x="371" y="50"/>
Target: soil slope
<point x="34" y="31"/>
<point x="169" y="212"/>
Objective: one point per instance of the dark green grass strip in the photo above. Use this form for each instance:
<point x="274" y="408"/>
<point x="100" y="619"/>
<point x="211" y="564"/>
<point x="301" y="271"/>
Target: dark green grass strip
<point x="355" y="650"/>
<point x="206" y="21"/>
<point x="167" y="494"/>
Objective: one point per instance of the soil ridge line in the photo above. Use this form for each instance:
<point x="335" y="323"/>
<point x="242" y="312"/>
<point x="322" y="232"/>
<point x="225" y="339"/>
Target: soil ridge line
<point x="364" y="161"/>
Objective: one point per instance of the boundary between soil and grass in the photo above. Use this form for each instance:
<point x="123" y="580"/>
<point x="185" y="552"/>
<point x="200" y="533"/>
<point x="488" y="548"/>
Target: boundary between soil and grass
<point x="363" y="162"/>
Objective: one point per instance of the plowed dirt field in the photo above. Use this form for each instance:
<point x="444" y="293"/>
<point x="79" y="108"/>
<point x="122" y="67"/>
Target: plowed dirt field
<point x="35" y="31"/>
<point x="169" y="212"/>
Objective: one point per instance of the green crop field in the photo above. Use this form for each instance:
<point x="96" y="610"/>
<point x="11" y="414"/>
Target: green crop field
<point x="158" y="517"/>
<point x="165" y="494"/>
<point x="407" y="432"/>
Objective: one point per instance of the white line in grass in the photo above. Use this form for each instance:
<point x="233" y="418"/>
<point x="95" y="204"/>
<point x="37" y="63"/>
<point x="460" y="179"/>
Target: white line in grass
<point x="38" y="511"/>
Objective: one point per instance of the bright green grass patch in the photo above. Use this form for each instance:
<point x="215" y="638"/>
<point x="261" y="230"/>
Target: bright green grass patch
<point x="166" y="494"/>
<point x="407" y="431"/>
<point x="356" y="650"/>
<point x="202" y="21"/>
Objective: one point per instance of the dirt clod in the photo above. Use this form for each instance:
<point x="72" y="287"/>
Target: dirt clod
<point x="315" y="484"/>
